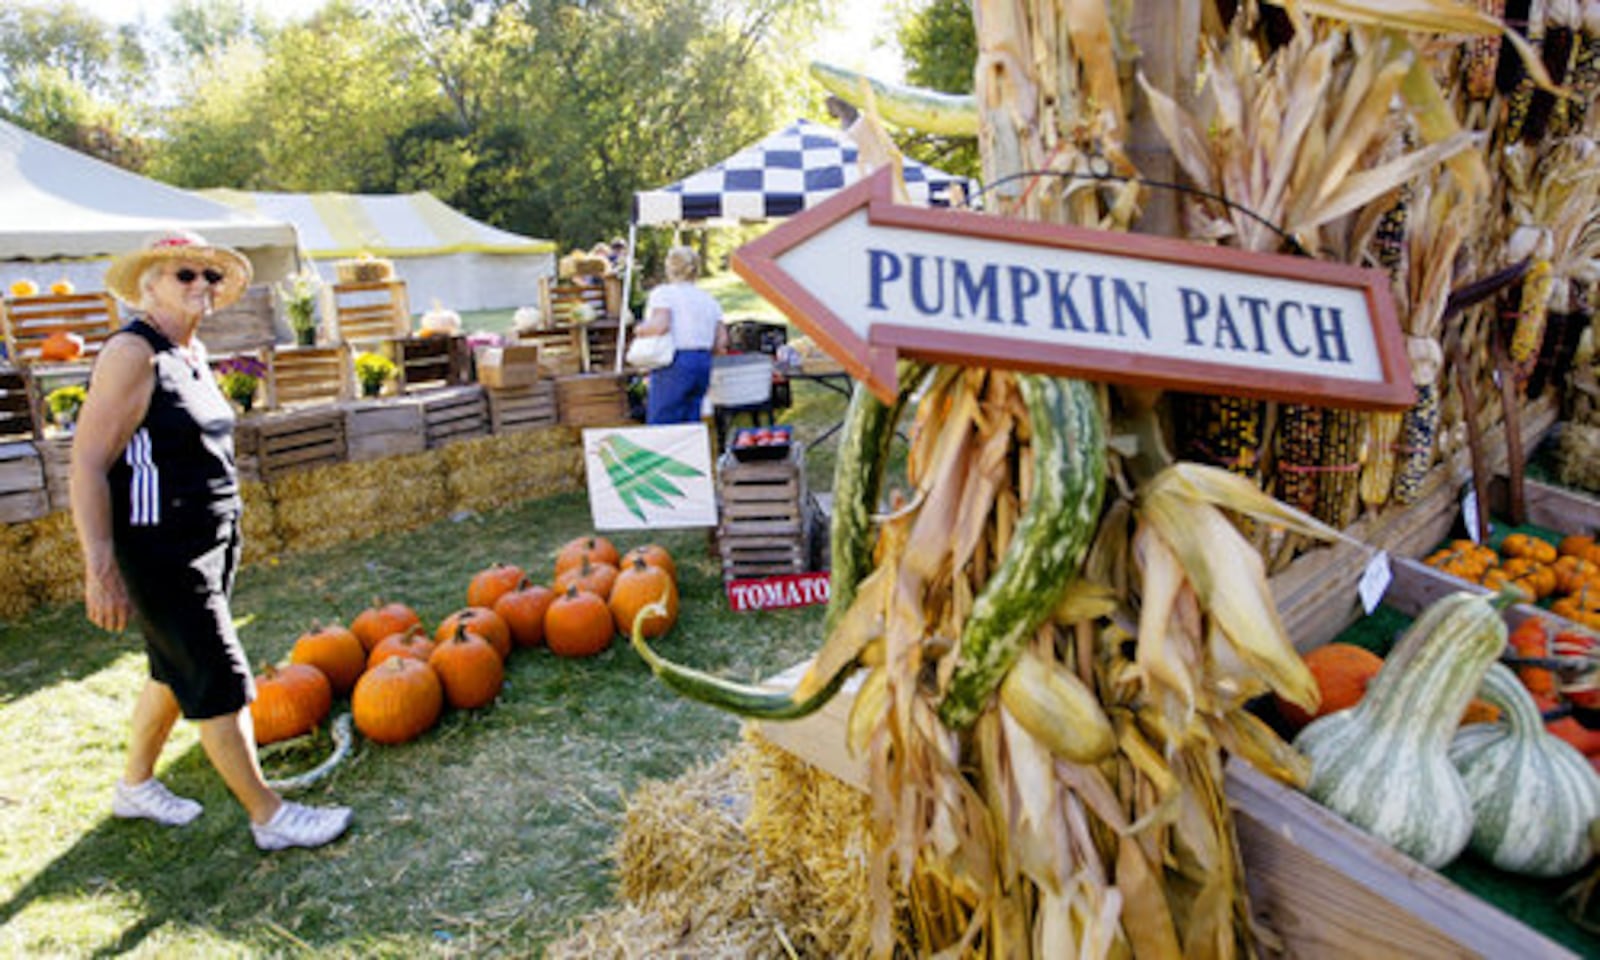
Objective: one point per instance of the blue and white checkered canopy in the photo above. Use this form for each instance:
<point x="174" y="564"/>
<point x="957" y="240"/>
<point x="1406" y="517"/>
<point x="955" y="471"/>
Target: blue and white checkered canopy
<point x="792" y="170"/>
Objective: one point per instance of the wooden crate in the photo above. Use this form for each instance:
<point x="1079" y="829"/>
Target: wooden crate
<point x="601" y="339"/>
<point x="28" y="321"/>
<point x="374" y="429"/>
<point x="592" y="399"/>
<point x="19" y="414"/>
<point x="522" y="408"/>
<point x="308" y="375"/>
<point x="268" y="445"/>
<point x="561" y="352"/>
<point x="452" y="413"/>
<point x="764" y="517"/>
<point x="22" y="490"/>
<point x="244" y="326"/>
<point x="560" y="302"/>
<point x="55" y="457"/>
<point x="427" y="362"/>
<point x="370" y="311"/>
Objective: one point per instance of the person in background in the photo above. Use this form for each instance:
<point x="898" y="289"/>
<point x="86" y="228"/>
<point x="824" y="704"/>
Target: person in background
<point x="693" y="319"/>
<point x="155" y="500"/>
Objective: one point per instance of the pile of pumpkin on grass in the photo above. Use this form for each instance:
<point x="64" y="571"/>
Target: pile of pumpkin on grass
<point x="399" y="678"/>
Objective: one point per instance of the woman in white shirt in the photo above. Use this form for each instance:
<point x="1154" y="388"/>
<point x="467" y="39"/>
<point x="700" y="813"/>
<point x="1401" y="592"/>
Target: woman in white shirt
<point x="693" y="319"/>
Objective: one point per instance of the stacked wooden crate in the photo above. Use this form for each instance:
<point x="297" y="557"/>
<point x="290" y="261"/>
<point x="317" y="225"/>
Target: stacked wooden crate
<point x="523" y="408"/>
<point x="433" y="361"/>
<point x="308" y="375"/>
<point x="561" y="351"/>
<point x="453" y="413"/>
<point x="375" y="429"/>
<point x="376" y="310"/>
<point x="29" y="321"/>
<point x="268" y="445"/>
<point x="593" y="399"/>
<point x="22" y="486"/>
<point x="763" y="526"/>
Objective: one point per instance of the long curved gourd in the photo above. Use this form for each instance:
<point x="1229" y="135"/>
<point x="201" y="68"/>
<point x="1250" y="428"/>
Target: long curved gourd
<point x="1069" y="475"/>
<point x="947" y="114"/>
<point x="864" y="441"/>
<point x="1533" y="794"/>
<point x="1384" y="764"/>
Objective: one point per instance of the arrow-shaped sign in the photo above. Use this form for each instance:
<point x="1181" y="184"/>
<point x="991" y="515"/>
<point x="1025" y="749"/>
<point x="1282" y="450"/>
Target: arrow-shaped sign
<point x="870" y="280"/>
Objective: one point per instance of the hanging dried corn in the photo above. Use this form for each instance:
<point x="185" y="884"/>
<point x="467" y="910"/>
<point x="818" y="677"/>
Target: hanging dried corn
<point x="1512" y="78"/>
<point x="1547" y="111"/>
<point x="1339" y="486"/>
<point x="1479" y="55"/>
<point x="1527" y="332"/>
<point x="1585" y="79"/>
<point x="1299" y="448"/>
<point x="1381" y="444"/>
<point x="1418" y="432"/>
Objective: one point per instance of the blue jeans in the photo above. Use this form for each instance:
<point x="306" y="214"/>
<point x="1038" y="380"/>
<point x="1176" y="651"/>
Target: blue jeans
<point x="678" y="389"/>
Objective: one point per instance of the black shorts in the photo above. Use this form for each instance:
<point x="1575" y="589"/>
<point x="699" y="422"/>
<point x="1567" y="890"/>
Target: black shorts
<point x="179" y="577"/>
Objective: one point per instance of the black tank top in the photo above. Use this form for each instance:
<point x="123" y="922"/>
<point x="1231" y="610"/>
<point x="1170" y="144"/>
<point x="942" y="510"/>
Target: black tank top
<point x="179" y="463"/>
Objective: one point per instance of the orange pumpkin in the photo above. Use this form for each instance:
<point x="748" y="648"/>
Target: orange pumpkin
<point x="653" y="554"/>
<point x="523" y="610"/>
<point x="60" y="347"/>
<point x="399" y="700"/>
<point x="1480" y="711"/>
<point x="489" y="584"/>
<point x="1530" y="639"/>
<point x="290" y="701"/>
<point x="1581" y="546"/>
<point x="637" y="587"/>
<point x="63" y="288"/>
<point x="333" y="650"/>
<point x="382" y="620"/>
<point x="1529" y="547"/>
<point x="1572" y="572"/>
<point x="595" y="548"/>
<point x="1342" y="672"/>
<point x="1535" y="575"/>
<point x="578" y="624"/>
<point x="482" y="621"/>
<point x="413" y="643"/>
<point x="470" y="670"/>
<point x="597" y="578"/>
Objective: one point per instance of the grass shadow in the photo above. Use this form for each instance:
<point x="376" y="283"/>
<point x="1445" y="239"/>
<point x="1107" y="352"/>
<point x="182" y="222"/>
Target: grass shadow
<point x="56" y="644"/>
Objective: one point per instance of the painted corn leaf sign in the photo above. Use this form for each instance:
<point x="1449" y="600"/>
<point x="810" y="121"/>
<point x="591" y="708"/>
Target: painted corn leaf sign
<point x="644" y="478"/>
<point x="871" y="280"/>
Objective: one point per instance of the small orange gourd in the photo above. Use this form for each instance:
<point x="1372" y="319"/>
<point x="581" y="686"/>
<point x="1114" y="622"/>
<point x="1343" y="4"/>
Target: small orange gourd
<point x="578" y="624"/>
<point x="333" y="650"/>
<point x="1342" y="672"/>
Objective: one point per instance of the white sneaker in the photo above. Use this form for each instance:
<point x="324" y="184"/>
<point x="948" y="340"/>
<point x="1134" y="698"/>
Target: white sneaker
<point x="297" y="825"/>
<point x="152" y="800"/>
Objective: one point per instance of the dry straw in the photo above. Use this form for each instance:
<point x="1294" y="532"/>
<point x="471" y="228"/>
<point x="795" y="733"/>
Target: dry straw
<point x="491" y="472"/>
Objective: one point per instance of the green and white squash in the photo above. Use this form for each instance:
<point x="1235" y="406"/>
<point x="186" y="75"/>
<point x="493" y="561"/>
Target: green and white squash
<point x="1384" y="764"/>
<point x="1533" y="794"/>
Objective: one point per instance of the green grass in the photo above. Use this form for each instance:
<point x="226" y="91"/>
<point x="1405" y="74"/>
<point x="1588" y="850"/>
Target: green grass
<point x="485" y="837"/>
<point x="738" y="301"/>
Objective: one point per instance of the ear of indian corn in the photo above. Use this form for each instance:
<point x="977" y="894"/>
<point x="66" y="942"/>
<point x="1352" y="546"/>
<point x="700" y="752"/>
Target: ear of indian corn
<point x="1377" y="473"/>
<point x="1528" y="333"/>
<point x="1585" y="77"/>
<point x="1299" y="453"/>
<point x="1339" y="487"/>
<point x="1479" y="53"/>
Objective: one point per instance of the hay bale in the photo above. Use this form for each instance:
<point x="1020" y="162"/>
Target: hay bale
<point x="323" y="507"/>
<point x="504" y="469"/>
<point x="756" y="855"/>
<point x="16" y="596"/>
<point x="55" y="562"/>
<point x="258" y="525"/>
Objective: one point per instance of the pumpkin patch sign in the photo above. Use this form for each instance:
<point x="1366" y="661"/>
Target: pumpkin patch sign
<point x="643" y="478"/>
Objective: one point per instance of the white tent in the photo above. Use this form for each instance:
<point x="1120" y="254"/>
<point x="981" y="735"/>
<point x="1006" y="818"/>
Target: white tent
<point x="64" y="213"/>
<point x="442" y="254"/>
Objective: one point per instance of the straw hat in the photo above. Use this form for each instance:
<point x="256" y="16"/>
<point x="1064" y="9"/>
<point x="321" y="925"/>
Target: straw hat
<point x="122" y="277"/>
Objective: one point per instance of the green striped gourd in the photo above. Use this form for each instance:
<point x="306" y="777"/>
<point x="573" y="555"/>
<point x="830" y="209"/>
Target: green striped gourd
<point x="1533" y="794"/>
<point x="1384" y="764"/>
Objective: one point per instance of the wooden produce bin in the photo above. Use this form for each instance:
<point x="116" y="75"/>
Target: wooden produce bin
<point x="592" y="400"/>
<point x="523" y="408"/>
<point x="561" y="350"/>
<point x="268" y="445"/>
<point x="55" y="456"/>
<point x="244" y="326"/>
<point x="19" y="417"/>
<point x="423" y="363"/>
<point x="375" y="310"/>
<point x="452" y="413"/>
<point x="308" y="375"/>
<point x="29" y="321"/>
<point x="375" y="429"/>
<point x="23" y="495"/>
<point x="763" y="526"/>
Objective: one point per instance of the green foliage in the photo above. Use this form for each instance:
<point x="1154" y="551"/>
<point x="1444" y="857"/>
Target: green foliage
<point x="940" y="45"/>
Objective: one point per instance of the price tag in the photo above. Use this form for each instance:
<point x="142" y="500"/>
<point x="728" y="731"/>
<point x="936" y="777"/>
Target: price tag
<point x="1375" y="581"/>
<point x="1469" y="511"/>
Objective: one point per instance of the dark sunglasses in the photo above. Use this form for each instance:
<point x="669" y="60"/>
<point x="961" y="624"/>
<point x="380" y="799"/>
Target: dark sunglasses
<point x="186" y="276"/>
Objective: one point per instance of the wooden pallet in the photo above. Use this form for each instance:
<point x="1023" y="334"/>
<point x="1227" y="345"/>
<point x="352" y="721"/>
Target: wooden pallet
<point x="453" y="413"/>
<point x="308" y="375"/>
<point x="22" y="491"/>
<point x="364" y="312"/>
<point x="28" y="321"/>
<point x="523" y="408"/>
<point x="592" y="399"/>
<point x="269" y="445"/>
<point x="19" y="413"/>
<point x="425" y="362"/>
<point x="374" y="429"/>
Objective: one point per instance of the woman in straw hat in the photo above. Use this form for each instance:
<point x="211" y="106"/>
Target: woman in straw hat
<point x="156" y="502"/>
<point x="693" y="319"/>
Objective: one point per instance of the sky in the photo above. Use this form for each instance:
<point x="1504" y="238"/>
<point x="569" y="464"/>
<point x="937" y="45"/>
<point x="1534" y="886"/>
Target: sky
<point x="848" y="46"/>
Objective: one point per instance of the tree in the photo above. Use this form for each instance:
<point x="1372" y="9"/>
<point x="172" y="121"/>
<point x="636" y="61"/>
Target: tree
<point x="940" y="47"/>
